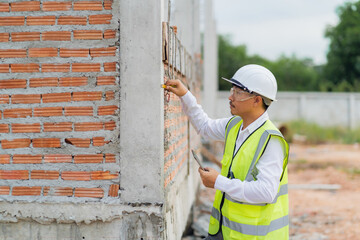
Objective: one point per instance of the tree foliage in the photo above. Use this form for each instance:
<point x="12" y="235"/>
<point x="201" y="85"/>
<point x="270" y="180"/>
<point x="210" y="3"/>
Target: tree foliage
<point x="343" y="59"/>
<point x="292" y="74"/>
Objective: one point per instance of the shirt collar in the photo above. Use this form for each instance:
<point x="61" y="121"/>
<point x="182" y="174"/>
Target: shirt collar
<point x="257" y="123"/>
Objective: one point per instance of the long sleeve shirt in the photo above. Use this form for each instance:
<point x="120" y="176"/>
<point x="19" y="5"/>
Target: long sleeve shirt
<point x="270" y="164"/>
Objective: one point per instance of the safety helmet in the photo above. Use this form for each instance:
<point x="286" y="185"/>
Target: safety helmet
<point x="257" y="79"/>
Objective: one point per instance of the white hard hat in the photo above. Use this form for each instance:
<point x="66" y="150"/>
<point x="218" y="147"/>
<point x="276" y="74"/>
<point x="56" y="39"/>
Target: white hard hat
<point x="255" y="78"/>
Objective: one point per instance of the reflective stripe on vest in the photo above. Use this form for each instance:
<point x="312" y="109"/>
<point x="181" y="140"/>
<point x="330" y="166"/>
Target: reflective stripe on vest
<point x="257" y="230"/>
<point x="232" y="122"/>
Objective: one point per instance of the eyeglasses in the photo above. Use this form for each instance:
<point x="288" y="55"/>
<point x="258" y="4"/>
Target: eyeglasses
<point x="237" y="93"/>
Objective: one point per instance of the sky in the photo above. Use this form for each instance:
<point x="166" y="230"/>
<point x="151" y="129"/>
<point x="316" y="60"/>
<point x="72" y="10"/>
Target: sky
<point x="272" y="28"/>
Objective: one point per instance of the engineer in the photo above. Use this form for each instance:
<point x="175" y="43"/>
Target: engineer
<point x="251" y="200"/>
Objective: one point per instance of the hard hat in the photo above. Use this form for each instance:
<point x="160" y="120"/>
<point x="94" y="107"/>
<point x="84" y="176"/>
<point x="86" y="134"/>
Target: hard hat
<point x="257" y="79"/>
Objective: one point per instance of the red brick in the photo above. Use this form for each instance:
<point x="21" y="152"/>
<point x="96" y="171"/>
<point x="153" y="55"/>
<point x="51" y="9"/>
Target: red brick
<point x="58" y="127"/>
<point x="40" y="20"/>
<point x="43" y="52"/>
<point x="25" y="36"/>
<point x="26" y="191"/>
<point x="56" y="6"/>
<point x="56" y="36"/>
<point x="12" y="21"/>
<point x="46" y="143"/>
<point x="105" y="80"/>
<point x="4" y="37"/>
<point x="46" y="191"/>
<point x="108" y="34"/>
<point x="89" y="158"/>
<point x="114" y="190"/>
<point x="12" y="83"/>
<point x="78" y="142"/>
<point x="89" y="192"/>
<point x="4" y="190"/>
<point x="17" y="113"/>
<point x="103" y="175"/>
<point x="102" y="52"/>
<point x="12" y="53"/>
<point x="44" y="82"/>
<point x="86" y="67"/>
<point x="48" y="111"/>
<point x="27" y="67"/>
<point x="89" y="126"/>
<point x="99" y="141"/>
<point x="27" y="159"/>
<point x="109" y="95"/>
<point x="111" y="125"/>
<point x="57" y="158"/>
<point x="88" y="34"/>
<point x="15" y="143"/>
<point x="4" y="159"/>
<point x="25" y="128"/>
<point x="25" y="6"/>
<point x="43" y="174"/>
<point x="4" y="128"/>
<point x="4" y="99"/>
<point x="61" y="191"/>
<point x="4" y="68"/>
<point x="100" y="19"/>
<point x="73" y="81"/>
<point x="14" y="174"/>
<point x="87" y="96"/>
<point x="72" y="20"/>
<point x="88" y="5"/>
<point x="75" y="176"/>
<point x="67" y="52"/>
<point x="110" y="158"/>
<point x="79" y="111"/>
<point x="107" y="110"/>
<point x="110" y="67"/>
<point x="108" y="4"/>
<point x="56" y="97"/>
<point x="56" y="67"/>
<point x="25" y="98"/>
<point x="4" y="7"/>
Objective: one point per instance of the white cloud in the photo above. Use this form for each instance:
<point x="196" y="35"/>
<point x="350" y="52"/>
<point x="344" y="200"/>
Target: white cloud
<point x="272" y="28"/>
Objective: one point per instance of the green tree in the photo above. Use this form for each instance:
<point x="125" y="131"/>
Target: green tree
<point x="343" y="66"/>
<point x="292" y="74"/>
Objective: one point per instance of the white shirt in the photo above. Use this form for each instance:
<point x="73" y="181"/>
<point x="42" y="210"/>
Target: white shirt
<point x="270" y="164"/>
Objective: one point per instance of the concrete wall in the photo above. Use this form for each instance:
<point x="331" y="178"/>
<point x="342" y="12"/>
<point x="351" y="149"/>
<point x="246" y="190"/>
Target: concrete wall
<point x="326" y="109"/>
<point x="90" y="147"/>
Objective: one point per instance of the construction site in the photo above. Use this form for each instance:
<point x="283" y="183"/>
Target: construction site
<point x="92" y="147"/>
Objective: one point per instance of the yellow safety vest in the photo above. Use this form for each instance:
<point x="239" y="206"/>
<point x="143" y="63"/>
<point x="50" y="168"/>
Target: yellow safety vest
<point x="241" y="220"/>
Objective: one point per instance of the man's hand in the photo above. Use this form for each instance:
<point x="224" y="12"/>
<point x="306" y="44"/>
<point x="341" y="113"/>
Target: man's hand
<point x="208" y="176"/>
<point x="176" y="86"/>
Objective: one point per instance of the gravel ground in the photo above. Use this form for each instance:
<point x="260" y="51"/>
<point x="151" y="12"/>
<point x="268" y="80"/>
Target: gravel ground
<point x="315" y="214"/>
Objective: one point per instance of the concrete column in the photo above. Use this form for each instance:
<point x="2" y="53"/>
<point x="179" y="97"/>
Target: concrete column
<point x="141" y="101"/>
<point x="302" y="107"/>
<point x="210" y="61"/>
<point x="351" y="111"/>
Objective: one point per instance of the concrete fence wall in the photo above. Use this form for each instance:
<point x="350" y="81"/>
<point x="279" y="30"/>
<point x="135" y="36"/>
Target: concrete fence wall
<point x="326" y="109"/>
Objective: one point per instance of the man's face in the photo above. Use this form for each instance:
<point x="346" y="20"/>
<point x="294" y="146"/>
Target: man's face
<point x="240" y="101"/>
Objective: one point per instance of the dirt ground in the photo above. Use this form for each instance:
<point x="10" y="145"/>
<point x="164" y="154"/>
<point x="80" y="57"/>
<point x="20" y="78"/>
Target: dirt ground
<point x="325" y="214"/>
<point x="316" y="214"/>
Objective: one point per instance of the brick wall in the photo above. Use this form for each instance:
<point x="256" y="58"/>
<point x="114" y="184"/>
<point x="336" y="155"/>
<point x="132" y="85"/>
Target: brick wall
<point x="59" y="88"/>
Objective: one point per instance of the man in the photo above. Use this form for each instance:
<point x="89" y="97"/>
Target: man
<point x="251" y="201"/>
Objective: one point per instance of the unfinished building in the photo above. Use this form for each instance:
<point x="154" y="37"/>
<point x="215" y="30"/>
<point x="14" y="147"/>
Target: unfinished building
<point x="91" y="146"/>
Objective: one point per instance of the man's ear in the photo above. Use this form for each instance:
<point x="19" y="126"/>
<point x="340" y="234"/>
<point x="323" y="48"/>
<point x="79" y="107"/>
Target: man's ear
<point x="257" y="100"/>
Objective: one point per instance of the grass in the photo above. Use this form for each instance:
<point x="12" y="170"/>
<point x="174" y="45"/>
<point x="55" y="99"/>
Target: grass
<point x="316" y="134"/>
